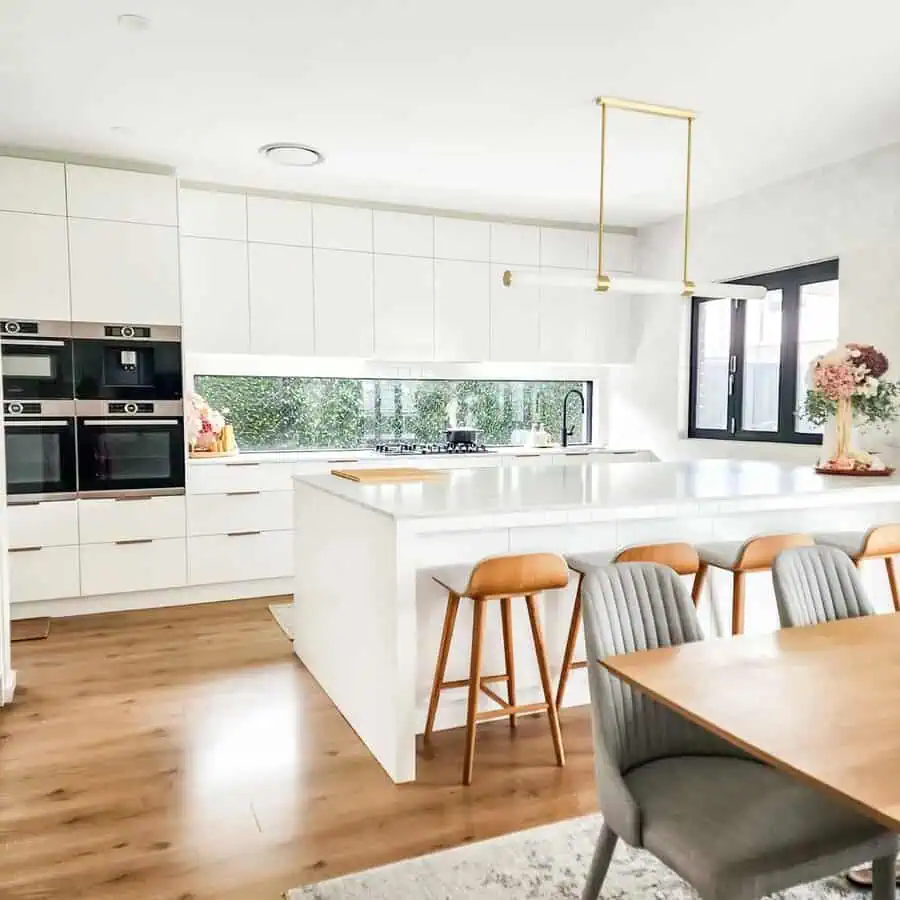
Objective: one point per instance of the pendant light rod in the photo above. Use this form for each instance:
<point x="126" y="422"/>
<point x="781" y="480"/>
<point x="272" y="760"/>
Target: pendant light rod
<point x="650" y="109"/>
<point x="602" y="196"/>
<point x="688" y="284"/>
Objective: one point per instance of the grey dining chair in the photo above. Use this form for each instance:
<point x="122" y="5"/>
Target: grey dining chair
<point x="817" y="584"/>
<point x="734" y="828"/>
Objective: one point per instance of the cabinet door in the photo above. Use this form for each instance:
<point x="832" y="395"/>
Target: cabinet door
<point x="124" y="273"/>
<point x="515" y="245"/>
<point x="49" y="524"/>
<point x="406" y="234"/>
<point x="343" y="303"/>
<point x="133" y="566"/>
<point x="131" y="519"/>
<point x="241" y="556"/>
<point x="570" y="325"/>
<point x="462" y="239"/>
<point x="515" y="320"/>
<point x="34" y="267"/>
<point x="615" y="338"/>
<point x="462" y="311"/>
<point x="215" y="214"/>
<point x="99" y="193"/>
<point x="342" y="227"/>
<point x="32" y="185"/>
<point x="274" y="221"/>
<point x="404" y="308"/>
<point x="43" y="573"/>
<point x="618" y="252"/>
<point x="215" y="295"/>
<point x="281" y="300"/>
<point x="565" y="247"/>
<point x="252" y="511"/>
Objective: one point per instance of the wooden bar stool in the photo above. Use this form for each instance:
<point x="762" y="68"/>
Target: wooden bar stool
<point x="497" y="578"/>
<point x="754" y="555"/>
<point x="880" y="542"/>
<point x="679" y="556"/>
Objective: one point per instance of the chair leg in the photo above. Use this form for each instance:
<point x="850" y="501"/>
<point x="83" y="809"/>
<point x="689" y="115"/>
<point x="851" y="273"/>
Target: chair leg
<point x="441" y="667"/>
<point x="892" y="580"/>
<point x="737" y="604"/>
<point x="508" y="652"/>
<point x="699" y="582"/>
<point x="540" y="652"/>
<point x="574" y="627"/>
<point x="474" y="688"/>
<point x="603" y="853"/>
<point x="883" y="878"/>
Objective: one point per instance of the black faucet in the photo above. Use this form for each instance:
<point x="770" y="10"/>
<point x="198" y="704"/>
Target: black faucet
<point x="566" y="433"/>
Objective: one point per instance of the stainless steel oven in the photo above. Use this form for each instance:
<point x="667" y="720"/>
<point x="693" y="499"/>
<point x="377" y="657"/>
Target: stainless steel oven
<point x="127" y="362"/>
<point x="37" y="360"/>
<point x="40" y="449"/>
<point x="130" y="447"/>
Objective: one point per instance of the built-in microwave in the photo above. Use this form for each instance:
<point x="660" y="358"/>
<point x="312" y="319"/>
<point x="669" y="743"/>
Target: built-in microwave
<point x="127" y="362"/>
<point x="130" y="447"/>
<point x="37" y="360"/>
<point x="40" y="450"/>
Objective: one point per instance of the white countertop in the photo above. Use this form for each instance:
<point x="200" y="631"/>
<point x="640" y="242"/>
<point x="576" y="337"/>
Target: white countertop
<point x="604" y="491"/>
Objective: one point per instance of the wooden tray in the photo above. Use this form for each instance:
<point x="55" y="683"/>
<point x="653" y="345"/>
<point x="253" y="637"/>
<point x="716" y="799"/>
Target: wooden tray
<point x="385" y="476"/>
<point x="856" y="473"/>
<point x="211" y="454"/>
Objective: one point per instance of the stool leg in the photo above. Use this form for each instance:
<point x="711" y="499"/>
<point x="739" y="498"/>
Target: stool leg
<point x="699" y="582"/>
<point x="474" y="688"/>
<point x="737" y="604"/>
<point x="506" y="616"/>
<point x="540" y="652"/>
<point x="574" y="627"/>
<point x="441" y="668"/>
<point x="892" y="580"/>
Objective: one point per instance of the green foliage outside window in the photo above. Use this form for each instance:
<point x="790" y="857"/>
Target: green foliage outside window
<point x="290" y="413"/>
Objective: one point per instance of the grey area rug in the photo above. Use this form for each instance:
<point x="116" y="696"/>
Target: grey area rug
<point x="282" y="614"/>
<point x="548" y="863"/>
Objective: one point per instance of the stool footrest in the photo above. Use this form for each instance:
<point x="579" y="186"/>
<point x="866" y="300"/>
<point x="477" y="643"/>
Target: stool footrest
<point x="464" y="682"/>
<point x="490" y="714"/>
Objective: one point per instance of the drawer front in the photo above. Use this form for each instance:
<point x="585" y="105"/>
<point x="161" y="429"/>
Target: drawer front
<point x="108" y="521"/>
<point x="228" y="477"/>
<point x="50" y="524"/>
<point x="45" y="574"/>
<point x="142" y="566"/>
<point x="241" y="557"/>
<point x="252" y="511"/>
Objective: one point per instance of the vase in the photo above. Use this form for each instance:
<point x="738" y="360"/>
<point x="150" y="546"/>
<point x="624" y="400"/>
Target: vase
<point x="843" y="429"/>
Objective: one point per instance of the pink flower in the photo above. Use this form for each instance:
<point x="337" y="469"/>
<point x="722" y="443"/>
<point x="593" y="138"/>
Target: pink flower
<point x="836" y="382"/>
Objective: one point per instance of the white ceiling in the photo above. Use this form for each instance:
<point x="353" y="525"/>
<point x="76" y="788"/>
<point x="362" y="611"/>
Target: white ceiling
<point x="480" y="105"/>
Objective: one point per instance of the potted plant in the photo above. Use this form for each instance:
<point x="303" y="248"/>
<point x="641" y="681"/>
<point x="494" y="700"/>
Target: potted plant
<point x="206" y="429"/>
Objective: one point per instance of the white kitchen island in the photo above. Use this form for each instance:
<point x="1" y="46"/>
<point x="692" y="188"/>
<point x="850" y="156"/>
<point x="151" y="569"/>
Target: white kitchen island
<point x="367" y="617"/>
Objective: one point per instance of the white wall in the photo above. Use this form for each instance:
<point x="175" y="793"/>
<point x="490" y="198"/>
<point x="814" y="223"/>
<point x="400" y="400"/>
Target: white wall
<point x="850" y="210"/>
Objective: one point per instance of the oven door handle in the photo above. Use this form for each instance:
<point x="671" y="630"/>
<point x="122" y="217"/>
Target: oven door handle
<point x="25" y="342"/>
<point x="36" y="423"/>
<point x="124" y="423"/>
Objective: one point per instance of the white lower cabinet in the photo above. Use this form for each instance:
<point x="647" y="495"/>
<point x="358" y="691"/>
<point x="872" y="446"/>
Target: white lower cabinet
<point x="217" y="514"/>
<point x="43" y="573"/>
<point x="239" y="477"/>
<point x="133" y="565"/>
<point x="131" y="518"/>
<point x="47" y="524"/>
<point x="241" y="556"/>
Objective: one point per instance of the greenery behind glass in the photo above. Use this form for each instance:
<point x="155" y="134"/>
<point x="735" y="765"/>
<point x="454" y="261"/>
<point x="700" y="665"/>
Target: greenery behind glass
<point x="289" y="413"/>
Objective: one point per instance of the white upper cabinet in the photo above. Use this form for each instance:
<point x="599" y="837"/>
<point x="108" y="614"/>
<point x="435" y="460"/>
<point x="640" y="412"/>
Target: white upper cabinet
<point x="515" y="320"/>
<point x="618" y="252"/>
<point x="615" y="327"/>
<point x="515" y="245"/>
<point x="342" y="227"/>
<point x="462" y="319"/>
<point x="406" y="234"/>
<point x="215" y="295"/>
<point x="97" y="193"/>
<point x="404" y="308"/>
<point x="215" y="214"/>
<point x="462" y="239"/>
<point x="274" y="221"/>
<point x="565" y="248"/>
<point x="343" y="303"/>
<point x="34" y="267"/>
<point x="31" y="185"/>
<point x="124" y="273"/>
<point x="281" y="300"/>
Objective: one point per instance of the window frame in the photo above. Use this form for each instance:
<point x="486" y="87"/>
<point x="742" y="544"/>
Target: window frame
<point x="789" y="282"/>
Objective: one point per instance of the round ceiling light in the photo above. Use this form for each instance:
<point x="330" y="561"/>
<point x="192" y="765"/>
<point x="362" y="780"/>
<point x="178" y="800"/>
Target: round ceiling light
<point x="283" y="154"/>
<point x="133" y="22"/>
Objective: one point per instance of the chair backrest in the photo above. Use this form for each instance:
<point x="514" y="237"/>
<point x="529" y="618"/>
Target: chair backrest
<point x="760" y="552"/>
<point x="882" y="540"/>
<point x="817" y="584"/>
<point x="515" y="575"/>
<point x="682" y="558"/>
<point x="629" y="607"/>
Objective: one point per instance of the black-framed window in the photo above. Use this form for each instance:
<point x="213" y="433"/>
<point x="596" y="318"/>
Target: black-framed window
<point x="750" y="358"/>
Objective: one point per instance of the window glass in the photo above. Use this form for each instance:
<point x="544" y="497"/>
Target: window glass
<point x="762" y="362"/>
<point x="713" y="353"/>
<point x="817" y="334"/>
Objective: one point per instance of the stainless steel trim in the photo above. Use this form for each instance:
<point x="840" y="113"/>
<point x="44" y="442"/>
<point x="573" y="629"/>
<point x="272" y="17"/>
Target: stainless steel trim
<point x="114" y="494"/>
<point x="50" y="409"/>
<point x="126" y="421"/>
<point x="96" y="331"/>
<point x="29" y="342"/>
<point x="242" y="533"/>
<point x="135" y="541"/>
<point x="96" y="409"/>
<point x="24" y="549"/>
<point x="37" y="499"/>
<point x="48" y="329"/>
<point x="33" y="422"/>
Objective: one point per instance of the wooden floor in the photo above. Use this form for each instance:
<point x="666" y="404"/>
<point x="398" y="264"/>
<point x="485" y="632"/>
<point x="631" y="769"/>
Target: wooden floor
<point x="185" y="754"/>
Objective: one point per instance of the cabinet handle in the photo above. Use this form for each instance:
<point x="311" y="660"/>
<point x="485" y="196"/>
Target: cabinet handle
<point x="584" y="453"/>
<point x="24" y="549"/>
<point x="26" y="503"/>
<point x="345" y="460"/>
<point x="132" y="499"/>
<point x="242" y="493"/>
<point x="242" y="533"/>
<point x="136" y="541"/>
<point x="232" y="465"/>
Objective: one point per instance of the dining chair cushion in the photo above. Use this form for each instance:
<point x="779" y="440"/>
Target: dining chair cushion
<point x="452" y="578"/>
<point x="722" y="554"/>
<point x="738" y="829"/>
<point x="851" y="542"/>
<point x="582" y="562"/>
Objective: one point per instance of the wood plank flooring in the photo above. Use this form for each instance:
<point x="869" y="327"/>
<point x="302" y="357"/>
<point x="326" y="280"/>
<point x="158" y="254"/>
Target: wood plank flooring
<point x="185" y="754"/>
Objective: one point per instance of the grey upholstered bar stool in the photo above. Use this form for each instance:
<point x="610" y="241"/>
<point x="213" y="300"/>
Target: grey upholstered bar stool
<point x="880" y="542"/>
<point x="734" y="828"/>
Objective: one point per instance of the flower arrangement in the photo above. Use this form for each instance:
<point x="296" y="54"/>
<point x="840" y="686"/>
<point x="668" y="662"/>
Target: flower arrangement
<point x="207" y="430"/>
<point x="849" y="382"/>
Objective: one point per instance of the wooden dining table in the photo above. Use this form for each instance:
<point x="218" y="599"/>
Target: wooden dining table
<point x="821" y="703"/>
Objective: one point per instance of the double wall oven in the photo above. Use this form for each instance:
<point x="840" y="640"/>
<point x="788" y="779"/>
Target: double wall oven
<point x="92" y="410"/>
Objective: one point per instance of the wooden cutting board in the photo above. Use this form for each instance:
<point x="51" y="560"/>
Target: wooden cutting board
<point x="386" y="476"/>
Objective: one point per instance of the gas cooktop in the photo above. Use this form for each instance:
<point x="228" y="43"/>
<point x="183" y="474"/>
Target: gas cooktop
<point x="412" y="449"/>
